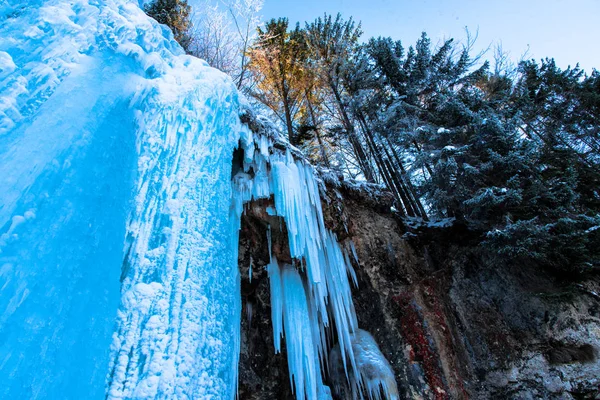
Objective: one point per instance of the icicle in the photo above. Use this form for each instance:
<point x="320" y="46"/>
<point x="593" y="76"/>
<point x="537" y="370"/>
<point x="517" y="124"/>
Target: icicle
<point x="324" y="393"/>
<point x="250" y="270"/>
<point x="264" y="144"/>
<point x="276" y="302"/>
<point x="303" y="363"/>
<point x="350" y="270"/>
<point x="353" y="250"/>
<point x="373" y="373"/>
<point x="269" y="241"/>
<point x="304" y="310"/>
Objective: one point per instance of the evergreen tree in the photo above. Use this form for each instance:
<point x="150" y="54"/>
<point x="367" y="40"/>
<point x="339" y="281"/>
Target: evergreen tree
<point x="511" y="153"/>
<point x="176" y="15"/>
<point x="532" y="197"/>
<point x="278" y="63"/>
<point x="332" y="43"/>
<point x="561" y="108"/>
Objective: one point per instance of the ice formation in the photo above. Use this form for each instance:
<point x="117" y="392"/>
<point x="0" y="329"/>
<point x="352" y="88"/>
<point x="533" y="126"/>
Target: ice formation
<point x="314" y="296"/>
<point x="375" y="375"/>
<point x="107" y="131"/>
<point x="117" y="199"/>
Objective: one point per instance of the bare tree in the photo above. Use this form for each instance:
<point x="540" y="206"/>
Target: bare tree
<point x="246" y="18"/>
<point x="212" y="38"/>
<point x="223" y="33"/>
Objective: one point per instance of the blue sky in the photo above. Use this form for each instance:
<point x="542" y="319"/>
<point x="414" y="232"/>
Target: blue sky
<point x="569" y="31"/>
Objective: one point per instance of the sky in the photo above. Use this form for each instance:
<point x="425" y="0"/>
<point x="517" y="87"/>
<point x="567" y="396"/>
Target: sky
<point x="567" y="30"/>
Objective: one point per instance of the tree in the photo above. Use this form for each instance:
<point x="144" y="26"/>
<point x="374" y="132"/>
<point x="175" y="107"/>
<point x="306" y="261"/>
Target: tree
<point x="223" y="33"/>
<point x="311" y="129"/>
<point x="277" y="60"/>
<point x="512" y="153"/>
<point x="213" y="40"/>
<point x="332" y="43"/>
<point x="561" y="108"/>
<point x="246" y="19"/>
<point x="176" y="15"/>
<point x="399" y="94"/>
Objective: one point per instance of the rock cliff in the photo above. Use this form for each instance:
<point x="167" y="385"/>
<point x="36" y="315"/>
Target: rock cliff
<point x="453" y="322"/>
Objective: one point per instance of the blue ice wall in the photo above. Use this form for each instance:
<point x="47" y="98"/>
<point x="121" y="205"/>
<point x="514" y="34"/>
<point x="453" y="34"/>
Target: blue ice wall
<point x="61" y="252"/>
<point x="118" y="273"/>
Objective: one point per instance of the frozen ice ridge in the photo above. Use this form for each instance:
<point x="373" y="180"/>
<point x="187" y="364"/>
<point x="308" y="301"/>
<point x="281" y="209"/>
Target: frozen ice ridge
<point x="117" y="203"/>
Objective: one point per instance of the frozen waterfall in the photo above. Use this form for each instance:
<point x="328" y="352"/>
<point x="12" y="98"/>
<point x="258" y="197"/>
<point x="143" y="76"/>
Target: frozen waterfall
<point x="117" y="203"/>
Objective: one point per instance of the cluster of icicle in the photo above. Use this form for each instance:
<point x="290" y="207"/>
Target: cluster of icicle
<point x="313" y="297"/>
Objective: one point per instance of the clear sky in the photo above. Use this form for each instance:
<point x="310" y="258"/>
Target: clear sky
<point x="568" y="30"/>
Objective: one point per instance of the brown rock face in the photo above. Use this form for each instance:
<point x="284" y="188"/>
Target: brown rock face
<point x="263" y="374"/>
<point x="452" y="322"/>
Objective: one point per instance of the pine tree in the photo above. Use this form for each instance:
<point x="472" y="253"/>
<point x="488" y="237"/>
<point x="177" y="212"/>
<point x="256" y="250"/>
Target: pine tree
<point x="277" y="61"/>
<point x="332" y="44"/>
<point x="513" y="154"/>
<point x="176" y="15"/>
<point x="532" y="197"/>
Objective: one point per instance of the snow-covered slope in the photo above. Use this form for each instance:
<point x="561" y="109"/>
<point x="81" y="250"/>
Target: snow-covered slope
<point x="117" y="204"/>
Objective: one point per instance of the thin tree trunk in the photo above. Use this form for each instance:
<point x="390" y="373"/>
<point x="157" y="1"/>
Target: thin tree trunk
<point x="408" y="182"/>
<point x="387" y="178"/>
<point x="424" y="163"/>
<point x="317" y="130"/>
<point x="545" y="140"/>
<point x="359" y="151"/>
<point x="394" y="184"/>
<point x="288" y="112"/>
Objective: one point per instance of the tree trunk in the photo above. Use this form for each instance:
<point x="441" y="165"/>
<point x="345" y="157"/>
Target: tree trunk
<point x="395" y="184"/>
<point x="358" y="149"/>
<point x="288" y="112"/>
<point x="317" y="130"/>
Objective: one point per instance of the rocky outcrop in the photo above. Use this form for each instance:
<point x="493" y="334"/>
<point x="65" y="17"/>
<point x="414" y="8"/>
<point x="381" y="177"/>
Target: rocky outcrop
<point x="456" y="323"/>
<point x="453" y="322"/>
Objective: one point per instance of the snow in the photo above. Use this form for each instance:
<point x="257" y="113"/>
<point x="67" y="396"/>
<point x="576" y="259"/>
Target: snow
<point x="416" y="223"/>
<point x="120" y="217"/>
